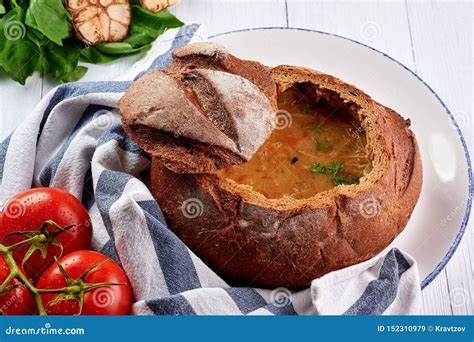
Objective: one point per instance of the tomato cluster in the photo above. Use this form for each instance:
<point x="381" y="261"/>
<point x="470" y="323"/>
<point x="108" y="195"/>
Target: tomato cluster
<point x="46" y="265"/>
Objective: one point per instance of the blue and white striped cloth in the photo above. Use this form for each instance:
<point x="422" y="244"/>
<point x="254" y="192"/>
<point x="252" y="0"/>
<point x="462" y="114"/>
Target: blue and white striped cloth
<point x="73" y="140"/>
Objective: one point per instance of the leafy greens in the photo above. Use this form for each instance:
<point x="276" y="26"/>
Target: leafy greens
<point x="36" y="35"/>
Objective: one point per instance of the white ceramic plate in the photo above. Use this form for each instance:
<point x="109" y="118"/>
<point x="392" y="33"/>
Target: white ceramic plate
<point x="440" y="217"/>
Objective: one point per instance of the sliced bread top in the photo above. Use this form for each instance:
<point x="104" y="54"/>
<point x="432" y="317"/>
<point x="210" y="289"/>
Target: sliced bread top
<point x="206" y="111"/>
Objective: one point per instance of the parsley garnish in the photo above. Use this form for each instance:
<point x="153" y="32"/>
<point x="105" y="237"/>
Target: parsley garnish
<point x="338" y="180"/>
<point x="333" y="169"/>
<point x="315" y="128"/>
<point x="318" y="168"/>
<point x="336" y="167"/>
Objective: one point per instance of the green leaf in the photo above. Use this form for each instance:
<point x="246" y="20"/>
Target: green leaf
<point x="105" y="53"/>
<point x="50" y="18"/>
<point x="19" y="56"/>
<point x="21" y="3"/>
<point x="145" y="27"/>
<point x="61" y="62"/>
<point x="41" y="39"/>
<point x="75" y="75"/>
<point x="339" y="180"/>
<point x="119" y="48"/>
<point x="11" y="26"/>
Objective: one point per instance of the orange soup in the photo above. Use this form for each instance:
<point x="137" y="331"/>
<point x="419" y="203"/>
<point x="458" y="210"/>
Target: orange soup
<point x="313" y="148"/>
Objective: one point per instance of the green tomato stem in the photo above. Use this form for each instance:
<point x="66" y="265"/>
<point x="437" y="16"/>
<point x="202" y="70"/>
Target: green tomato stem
<point x="37" y="238"/>
<point x="76" y="288"/>
<point x="16" y="273"/>
<point x="7" y="281"/>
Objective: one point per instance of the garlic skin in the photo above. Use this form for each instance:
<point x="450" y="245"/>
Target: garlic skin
<point x="157" y="5"/>
<point x="100" y="21"/>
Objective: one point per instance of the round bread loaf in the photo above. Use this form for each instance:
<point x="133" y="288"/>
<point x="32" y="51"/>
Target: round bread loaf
<point x="253" y="240"/>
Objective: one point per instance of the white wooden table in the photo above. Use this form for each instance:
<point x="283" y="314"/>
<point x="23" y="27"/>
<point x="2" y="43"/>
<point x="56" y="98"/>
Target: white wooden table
<point x="433" y="38"/>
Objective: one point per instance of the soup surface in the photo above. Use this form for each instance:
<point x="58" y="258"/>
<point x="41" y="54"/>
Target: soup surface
<point x="313" y="148"/>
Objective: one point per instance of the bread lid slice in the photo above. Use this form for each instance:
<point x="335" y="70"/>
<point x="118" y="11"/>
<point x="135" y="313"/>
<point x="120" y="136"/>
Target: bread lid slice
<point x="206" y="111"/>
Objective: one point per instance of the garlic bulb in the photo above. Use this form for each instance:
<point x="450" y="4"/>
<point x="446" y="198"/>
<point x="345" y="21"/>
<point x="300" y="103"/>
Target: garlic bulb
<point x="100" y="21"/>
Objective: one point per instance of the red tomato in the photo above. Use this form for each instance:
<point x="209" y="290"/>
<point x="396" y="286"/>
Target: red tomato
<point x="105" y="300"/>
<point x="19" y="300"/>
<point x="28" y="210"/>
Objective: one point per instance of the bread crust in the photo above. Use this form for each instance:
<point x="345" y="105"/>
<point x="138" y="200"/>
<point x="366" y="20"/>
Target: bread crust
<point x="254" y="241"/>
<point x="206" y="111"/>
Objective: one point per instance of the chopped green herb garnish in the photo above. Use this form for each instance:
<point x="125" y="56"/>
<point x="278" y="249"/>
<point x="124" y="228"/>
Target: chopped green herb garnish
<point x="344" y="179"/>
<point x="315" y="128"/>
<point x="333" y="169"/>
<point x="336" y="167"/>
<point x="319" y="168"/>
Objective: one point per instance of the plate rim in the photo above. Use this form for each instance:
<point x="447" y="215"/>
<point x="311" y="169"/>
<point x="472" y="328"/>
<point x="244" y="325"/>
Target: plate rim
<point x="457" y="240"/>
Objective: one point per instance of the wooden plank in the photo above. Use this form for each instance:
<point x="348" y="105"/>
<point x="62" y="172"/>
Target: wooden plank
<point x="17" y="101"/>
<point x="380" y="24"/>
<point x="442" y="40"/>
<point x="221" y="16"/>
<point x="435" y="297"/>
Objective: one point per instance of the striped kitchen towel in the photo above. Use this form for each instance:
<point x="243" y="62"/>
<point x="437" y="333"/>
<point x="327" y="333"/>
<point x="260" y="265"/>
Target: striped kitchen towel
<point x="73" y="140"/>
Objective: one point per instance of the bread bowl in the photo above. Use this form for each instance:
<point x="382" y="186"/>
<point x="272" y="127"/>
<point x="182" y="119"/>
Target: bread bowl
<point x="343" y="204"/>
